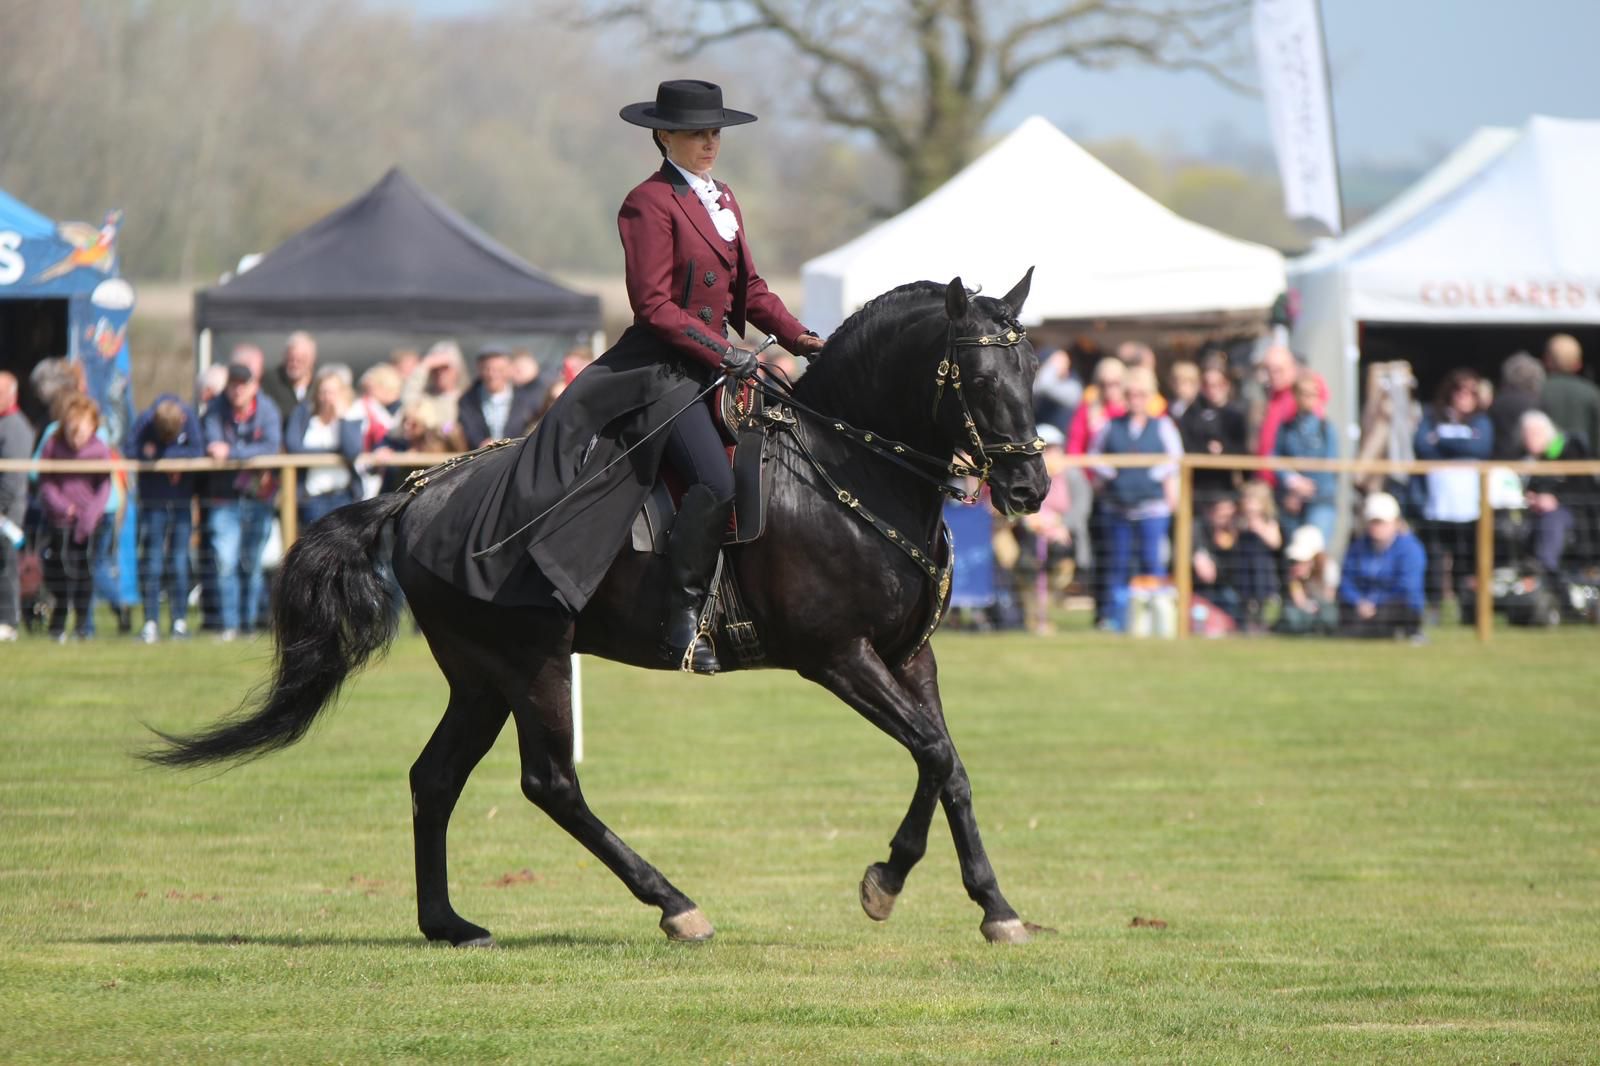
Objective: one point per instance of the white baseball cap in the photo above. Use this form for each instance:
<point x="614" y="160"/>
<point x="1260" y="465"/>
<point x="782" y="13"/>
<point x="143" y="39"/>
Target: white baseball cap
<point x="1380" y="507"/>
<point x="1305" y="545"/>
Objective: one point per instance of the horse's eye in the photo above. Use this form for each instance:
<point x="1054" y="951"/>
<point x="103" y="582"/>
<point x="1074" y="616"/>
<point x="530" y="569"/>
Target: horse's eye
<point x="984" y="385"/>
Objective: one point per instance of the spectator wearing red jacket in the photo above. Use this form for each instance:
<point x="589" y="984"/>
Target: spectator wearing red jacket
<point x="1283" y="370"/>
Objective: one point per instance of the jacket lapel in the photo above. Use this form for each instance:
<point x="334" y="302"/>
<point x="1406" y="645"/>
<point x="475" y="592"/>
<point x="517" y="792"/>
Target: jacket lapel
<point x="695" y="211"/>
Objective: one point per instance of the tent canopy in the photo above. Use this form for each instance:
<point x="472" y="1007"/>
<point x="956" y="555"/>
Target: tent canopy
<point x="18" y="217"/>
<point x="1505" y="231"/>
<point x="1102" y="248"/>
<point x="395" y="258"/>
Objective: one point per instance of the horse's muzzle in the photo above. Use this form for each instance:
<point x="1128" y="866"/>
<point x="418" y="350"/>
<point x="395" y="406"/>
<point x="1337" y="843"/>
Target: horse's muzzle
<point x="1023" y="494"/>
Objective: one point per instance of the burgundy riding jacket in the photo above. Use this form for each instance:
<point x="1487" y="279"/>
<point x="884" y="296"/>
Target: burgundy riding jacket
<point x="686" y="283"/>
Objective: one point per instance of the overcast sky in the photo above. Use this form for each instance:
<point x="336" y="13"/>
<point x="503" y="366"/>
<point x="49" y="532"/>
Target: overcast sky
<point x="1411" y="79"/>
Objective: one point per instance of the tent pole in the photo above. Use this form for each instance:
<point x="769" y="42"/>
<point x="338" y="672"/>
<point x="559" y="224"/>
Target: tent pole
<point x="1333" y="124"/>
<point x="202" y="351"/>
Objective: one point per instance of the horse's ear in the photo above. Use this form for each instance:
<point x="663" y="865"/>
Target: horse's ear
<point x="955" y="300"/>
<point x="1019" y="293"/>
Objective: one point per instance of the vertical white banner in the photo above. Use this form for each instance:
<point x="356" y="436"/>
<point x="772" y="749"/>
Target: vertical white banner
<point x="1294" y="80"/>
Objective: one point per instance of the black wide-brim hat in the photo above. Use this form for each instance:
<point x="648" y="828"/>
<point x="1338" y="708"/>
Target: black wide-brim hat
<point x="685" y="105"/>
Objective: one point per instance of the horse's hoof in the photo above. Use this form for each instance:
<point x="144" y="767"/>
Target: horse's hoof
<point x="690" y="927"/>
<point x="485" y="941"/>
<point x="1006" y="931"/>
<point x="876" y="900"/>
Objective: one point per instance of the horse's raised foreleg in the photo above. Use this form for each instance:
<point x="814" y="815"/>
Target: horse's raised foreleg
<point x="543" y="714"/>
<point x="905" y="704"/>
<point x="471" y="722"/>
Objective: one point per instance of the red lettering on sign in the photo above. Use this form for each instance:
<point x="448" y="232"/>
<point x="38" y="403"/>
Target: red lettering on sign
<point x="1551" y="295"/>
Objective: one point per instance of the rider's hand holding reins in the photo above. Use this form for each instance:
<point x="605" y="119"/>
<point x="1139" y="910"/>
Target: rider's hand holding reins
<point x="741" y="363"/>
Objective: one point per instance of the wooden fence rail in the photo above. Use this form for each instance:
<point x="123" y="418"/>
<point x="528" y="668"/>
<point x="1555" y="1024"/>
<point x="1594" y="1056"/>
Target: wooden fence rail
<point x="289" y="467"/>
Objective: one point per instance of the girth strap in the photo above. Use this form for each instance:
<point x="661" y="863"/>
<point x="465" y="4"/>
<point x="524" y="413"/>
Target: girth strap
<point x="738" y="628"/>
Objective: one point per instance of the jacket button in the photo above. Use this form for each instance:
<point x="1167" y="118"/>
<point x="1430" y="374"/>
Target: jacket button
<point x="711" y="278"/>
<point x="705" y="315"/>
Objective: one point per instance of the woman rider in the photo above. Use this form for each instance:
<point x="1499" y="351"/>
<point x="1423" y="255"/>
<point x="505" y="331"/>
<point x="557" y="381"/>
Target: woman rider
<point x="682" y="235"/>
<point x="566" y="501"/>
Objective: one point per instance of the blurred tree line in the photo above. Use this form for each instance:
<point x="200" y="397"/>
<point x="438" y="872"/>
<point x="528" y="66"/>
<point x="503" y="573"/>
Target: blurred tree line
<point x="223" y="126"/>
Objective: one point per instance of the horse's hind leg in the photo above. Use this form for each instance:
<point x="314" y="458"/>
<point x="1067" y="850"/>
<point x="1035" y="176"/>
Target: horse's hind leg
<point x="543" y="713"/>
<point x="468" y="730"/>
<point x="905" y="704"/>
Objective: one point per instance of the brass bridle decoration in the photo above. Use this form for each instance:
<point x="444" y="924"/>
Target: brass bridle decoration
<point x="949" y="372"/>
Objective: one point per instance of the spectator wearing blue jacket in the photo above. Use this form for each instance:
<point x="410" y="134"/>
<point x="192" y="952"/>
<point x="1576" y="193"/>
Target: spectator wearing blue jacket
<point x="1380" y="590"/>
<point x="1307" y="499"/>
<point x="319" y="426"/>
<point x="168" y="429"/>
<point x="1455" y="427"/>
<point x="242" y="423"/>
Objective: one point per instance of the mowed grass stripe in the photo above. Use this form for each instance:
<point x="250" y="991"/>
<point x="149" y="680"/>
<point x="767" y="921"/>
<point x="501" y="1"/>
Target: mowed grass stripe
<point x="1369" y="853"/>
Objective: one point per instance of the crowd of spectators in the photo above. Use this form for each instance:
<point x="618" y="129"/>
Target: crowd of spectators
<point x="206" y="534"/>
<point x="1266" y="555"/>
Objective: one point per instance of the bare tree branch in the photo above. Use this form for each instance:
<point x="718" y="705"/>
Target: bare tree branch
<point x="922" y="76"/>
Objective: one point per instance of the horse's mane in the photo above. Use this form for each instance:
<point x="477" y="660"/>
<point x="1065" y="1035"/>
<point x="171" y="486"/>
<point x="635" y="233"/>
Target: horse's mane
<point x="863" y="337"/>
<point x="856" y="351"/>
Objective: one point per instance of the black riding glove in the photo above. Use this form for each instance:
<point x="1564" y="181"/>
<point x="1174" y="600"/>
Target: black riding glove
<point x="741" y="363"/>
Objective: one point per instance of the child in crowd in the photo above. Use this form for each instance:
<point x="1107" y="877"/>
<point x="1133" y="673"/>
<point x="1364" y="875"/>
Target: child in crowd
<point x="167" y="430"/>
<point x="1257" y="514"/>
<point x="1311" y="586"/>
<point x="74" y="505"/>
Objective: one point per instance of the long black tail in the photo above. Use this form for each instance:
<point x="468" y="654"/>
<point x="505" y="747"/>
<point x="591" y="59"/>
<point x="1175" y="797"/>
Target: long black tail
<point x="332" y="610"/>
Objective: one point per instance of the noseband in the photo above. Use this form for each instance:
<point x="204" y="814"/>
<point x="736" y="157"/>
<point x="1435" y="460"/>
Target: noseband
<point x="950" y="373"/>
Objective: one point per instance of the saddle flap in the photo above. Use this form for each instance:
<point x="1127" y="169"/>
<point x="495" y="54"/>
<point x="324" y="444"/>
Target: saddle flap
<point x="749" y="487"/>
<point x="654" y="521"/>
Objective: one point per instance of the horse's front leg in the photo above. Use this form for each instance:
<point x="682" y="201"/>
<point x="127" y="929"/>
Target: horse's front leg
<point x="883" y="881"/>
<point x="905" y="705"/>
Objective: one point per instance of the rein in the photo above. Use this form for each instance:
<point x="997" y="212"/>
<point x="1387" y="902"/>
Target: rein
<point x="903" y="455"/>
<point x="977" y="464"/>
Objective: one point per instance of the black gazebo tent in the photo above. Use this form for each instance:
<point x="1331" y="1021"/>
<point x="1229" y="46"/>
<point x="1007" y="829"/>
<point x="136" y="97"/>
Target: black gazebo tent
<point x="395" y="258"/>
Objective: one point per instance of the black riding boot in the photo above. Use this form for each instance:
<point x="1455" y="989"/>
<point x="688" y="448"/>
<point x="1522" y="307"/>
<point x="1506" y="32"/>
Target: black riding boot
<point x="691" y="560"/>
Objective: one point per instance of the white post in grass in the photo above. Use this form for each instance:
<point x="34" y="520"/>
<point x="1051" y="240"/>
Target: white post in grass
<point x="577" y="710"/>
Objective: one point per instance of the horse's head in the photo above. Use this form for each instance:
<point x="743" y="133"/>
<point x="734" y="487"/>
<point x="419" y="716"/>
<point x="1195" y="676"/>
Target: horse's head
<point x="985" y="397"/>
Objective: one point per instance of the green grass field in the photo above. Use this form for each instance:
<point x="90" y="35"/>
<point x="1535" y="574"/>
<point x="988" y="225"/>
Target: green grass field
<point x="1362" y="853"/>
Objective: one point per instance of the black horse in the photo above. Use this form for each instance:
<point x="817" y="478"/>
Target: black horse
<point x="931" y="367"/>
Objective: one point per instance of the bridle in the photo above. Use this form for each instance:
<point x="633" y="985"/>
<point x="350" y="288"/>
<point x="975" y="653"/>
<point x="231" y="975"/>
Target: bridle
<point x="933" y="469"/>
<point x="949" y="372"/>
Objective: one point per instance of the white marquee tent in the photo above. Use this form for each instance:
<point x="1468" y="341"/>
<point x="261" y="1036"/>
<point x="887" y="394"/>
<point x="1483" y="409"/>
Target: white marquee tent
<point x="1102" y="248"/>
<point x="1504" y="232"/>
